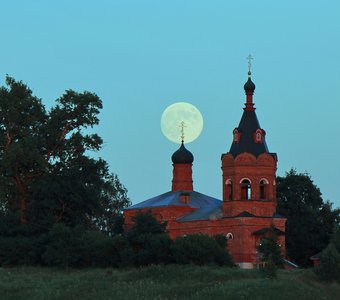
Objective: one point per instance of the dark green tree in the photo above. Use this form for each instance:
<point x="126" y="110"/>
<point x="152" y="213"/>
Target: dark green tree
<point x="271" y="254"/>
<point x="149" y="240"/>
<point x="65" y="246"/>
<point x="144" y="223"/>
<point x="46" y="174"/>
<point x="329" y="268"/>
<point x="270" y="250"/>
<point x="309" y="219"/>
<point x="201" y="249"/>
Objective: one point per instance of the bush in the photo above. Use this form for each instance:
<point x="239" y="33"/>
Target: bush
<point x="99" y="250"/>
<point x="10" y="224"/>
<point x="199" y="249"/>
<point x="149" y="241"/>
<point x="329" y="268"/>
<point x="74" y="247"/>
<point x="152" y="249"/>
<point x="61" y="246"/>
<point x="269" y="269"/>
<point x="221" y="240"/>
<point x="125" y="256"/>
<point x="21" y="250"/>
<point x="145" y="223"/>
<point x="65" y="247"/>
<point x="270" y="250"/>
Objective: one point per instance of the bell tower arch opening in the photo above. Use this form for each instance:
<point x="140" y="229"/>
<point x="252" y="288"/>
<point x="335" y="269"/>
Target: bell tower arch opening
<point x="229" y="189"/>
<point x="245" y="189"/>
<point x="263" y="189"/>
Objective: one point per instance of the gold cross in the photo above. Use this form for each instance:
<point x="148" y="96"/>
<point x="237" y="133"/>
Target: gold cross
<point x="182" y="130"/>
<point x="250" y="58"/>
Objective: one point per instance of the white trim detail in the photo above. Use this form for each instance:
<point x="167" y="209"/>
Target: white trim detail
<point x="265" y="180"/>
<point x="245" y="179"/>
<point x="229" y="236"/>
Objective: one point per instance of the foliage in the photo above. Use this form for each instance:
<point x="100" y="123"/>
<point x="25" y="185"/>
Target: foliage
<point x="152" y="249"/>
<point x="200" y="249"/>
<point x="64" y="247"/>
<point x="149" y="240"/>
<point x="124" y="255"/>
<point x="329" y="268"/>
<point x="76" y="247"/>
<point x="10" y="224"/>
<point x="221" y="239"/>
<point x="45" y="173"/>
<point x="19" y="245"/>
<point x="152" y="245"/>
<point x="270" y="250"/>
<point x="21" y="250"/>
<point x="161" y="282"/>
<point x="270" y="269"/>
<point x="309" y="219"/>
<point x="145" y="223"/>
<point x="271" y="255"/>
<point x="100" y="250"/>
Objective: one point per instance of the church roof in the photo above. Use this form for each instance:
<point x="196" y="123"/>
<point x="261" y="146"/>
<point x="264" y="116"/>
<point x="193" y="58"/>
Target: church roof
<point x="247" y="128"/>
<point x="197" y="200"/>
<point x="245" y="214"/>
<point x="209" y="212"/>
<point x="268" y="229"/>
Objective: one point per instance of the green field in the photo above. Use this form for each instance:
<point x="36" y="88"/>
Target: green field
<point x="169" y="282"/>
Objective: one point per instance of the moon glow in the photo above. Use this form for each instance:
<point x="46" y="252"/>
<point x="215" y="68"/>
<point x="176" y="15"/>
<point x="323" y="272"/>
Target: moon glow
<point x="172" y="118"/>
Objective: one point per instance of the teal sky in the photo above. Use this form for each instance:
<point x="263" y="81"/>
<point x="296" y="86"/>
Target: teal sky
<point x="141" y="56"/>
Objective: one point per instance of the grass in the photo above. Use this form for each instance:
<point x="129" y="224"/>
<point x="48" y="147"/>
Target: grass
<point x="161" y="282"/>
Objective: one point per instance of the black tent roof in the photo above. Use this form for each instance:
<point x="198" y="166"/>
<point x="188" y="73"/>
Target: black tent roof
<point x="247" y="128"/>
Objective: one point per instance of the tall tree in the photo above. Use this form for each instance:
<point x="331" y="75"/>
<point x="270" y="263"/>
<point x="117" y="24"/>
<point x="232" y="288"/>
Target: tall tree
<point x="310" y="220"/>
<point x="46" y="173"/>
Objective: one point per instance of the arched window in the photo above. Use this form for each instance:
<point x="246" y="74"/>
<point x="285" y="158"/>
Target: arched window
<point x="229" y="236"/>
<point x="245" y="189"/>
<point x="229" y="189"/>
<point x="263" y="188"/>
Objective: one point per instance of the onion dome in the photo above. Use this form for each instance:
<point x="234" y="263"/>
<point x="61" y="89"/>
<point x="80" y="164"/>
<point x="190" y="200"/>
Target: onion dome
<point x="249" y="86"/>
<point x="182" y="156"/>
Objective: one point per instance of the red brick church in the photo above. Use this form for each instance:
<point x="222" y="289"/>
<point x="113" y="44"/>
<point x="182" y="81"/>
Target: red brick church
<point x="248" y="209"/>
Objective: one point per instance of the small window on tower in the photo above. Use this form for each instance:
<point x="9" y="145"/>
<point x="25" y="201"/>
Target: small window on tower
<point x="236" y="135"/>
<point x="258" y="136"/>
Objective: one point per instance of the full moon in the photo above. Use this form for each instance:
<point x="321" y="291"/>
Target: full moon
<point x="181" y="121"/>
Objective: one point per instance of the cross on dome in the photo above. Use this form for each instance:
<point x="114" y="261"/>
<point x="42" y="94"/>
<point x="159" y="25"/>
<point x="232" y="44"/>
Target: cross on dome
<point x="182" y="130"/>
<point x="250" y="58"/>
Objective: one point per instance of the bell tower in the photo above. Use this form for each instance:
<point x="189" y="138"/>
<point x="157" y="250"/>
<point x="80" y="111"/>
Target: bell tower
<point x="249" y="169"/>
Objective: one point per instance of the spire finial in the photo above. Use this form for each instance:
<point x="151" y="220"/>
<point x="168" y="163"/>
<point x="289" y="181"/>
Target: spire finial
<point x="249" y="87"/>
<point x="182" y="130"/>
<point x="250" y="58"/>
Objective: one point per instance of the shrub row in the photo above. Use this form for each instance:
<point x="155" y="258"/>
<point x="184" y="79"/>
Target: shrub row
<point x="75" y="247"/>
